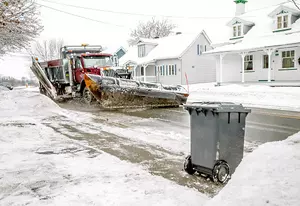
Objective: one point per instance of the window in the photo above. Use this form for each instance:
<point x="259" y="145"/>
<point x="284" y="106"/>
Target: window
<point x="141" y="51"/>
<point x="173" y="70"/>
<point x="288" y="58"/>
<point x="266" y="61"/>
<point x="237" y="31"/>
<point x="167" y="70"/>
<point x="248" y="62"/>
<point x="142" y="71"/>
<point x="282" y="22"/>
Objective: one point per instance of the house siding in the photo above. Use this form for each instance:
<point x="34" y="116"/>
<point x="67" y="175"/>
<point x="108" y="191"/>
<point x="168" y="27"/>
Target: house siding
<point x="170" y="79"/>
<point x="232" y="67"/>
<point x="199" y="69"/>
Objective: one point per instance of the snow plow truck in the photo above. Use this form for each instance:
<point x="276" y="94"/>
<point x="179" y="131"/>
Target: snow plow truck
<point x="85" y="72"/>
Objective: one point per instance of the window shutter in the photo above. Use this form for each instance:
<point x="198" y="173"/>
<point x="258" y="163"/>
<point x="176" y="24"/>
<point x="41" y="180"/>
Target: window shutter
<point x="198" y="49"/>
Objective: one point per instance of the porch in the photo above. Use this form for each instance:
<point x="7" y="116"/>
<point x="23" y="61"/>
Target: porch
<point x="145" y="73"/>
<point x="274" y="64"/>
<point x="262" y="59"/>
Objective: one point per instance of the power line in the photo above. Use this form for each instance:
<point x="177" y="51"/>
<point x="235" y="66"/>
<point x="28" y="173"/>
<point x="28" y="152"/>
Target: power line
<point x="135" y="14"/>
<point x="296" y="4"/>
<point x="151" y="15"/>
<point x="83" y="17"/>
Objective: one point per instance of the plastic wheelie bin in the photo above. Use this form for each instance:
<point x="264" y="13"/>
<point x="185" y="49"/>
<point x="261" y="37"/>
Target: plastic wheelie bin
<point x="217" y="138"/>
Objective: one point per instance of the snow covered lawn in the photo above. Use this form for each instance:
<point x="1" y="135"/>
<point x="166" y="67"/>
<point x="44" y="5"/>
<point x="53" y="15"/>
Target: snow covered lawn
<point x="262" y="96"/>
<point x="42" y="167"/>
<point x="268" y="176"/>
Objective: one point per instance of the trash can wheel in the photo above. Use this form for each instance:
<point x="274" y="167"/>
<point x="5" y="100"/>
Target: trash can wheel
<point x="188" y="166"/>
<point x="221" y="172"/>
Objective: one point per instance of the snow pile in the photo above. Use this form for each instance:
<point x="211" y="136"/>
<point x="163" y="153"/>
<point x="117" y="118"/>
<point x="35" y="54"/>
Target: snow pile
<point x="268" y="176"/>
<point x="26" y="103"/>
<point x="261" y="96"/>
<point x="3" y="88"/>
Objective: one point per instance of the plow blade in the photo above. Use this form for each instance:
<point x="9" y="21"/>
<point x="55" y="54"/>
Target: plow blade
<point x="114" y="93"/>
<point x="43" y="79"/>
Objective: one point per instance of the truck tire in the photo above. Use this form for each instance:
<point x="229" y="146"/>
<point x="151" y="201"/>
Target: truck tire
<point x="87" y="97"/>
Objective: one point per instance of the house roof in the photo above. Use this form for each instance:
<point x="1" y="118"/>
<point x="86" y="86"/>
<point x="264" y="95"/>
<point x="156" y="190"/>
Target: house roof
<point x="169" y="47"/>
<point x="130" y="55"/>
<point x="261" y="35"/>
<point x="114" y="49"/>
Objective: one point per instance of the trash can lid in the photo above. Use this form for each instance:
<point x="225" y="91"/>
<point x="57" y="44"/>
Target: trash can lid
<point x="217" y="107"/>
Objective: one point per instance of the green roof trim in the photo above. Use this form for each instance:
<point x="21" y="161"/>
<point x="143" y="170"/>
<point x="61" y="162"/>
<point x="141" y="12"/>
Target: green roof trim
<point x="240" y="1"/>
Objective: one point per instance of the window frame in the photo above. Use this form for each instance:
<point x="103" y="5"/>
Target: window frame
<point x="288" y="57"/>
<point x="282" y="23"/>
<point x="246" y="60"/>
<point x="141" y="50"/>
<point x="238" y="30"/>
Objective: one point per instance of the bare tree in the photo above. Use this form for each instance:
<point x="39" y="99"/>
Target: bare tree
<point x="48" y="49"/>
<point x="19" y="24"/>
<point x="151" y="29"/>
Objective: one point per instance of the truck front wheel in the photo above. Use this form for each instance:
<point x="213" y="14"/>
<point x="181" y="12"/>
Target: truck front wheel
<point x="87" y="96"/>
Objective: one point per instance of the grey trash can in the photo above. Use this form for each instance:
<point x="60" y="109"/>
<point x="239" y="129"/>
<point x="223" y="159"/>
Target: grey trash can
<point x="217" y="138"/>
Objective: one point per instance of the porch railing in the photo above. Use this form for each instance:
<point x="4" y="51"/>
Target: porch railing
<point x="147" y="79"/>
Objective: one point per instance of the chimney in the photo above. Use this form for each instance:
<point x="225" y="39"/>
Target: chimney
<point x="157" y="37"/>
<point x="177" y="33"/>
<point x="240" y="7"/>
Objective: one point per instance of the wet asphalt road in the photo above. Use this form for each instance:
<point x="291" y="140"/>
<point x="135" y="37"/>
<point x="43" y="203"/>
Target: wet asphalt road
<point x="261" y="126"/>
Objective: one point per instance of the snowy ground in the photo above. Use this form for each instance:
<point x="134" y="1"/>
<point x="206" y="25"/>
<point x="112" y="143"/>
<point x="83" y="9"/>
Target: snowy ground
<point x="39" y="166"/>
<point x="52" y="156"/>
<point x="262" y="96"/>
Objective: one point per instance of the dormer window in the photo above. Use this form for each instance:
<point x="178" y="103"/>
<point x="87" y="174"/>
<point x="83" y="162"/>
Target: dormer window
<point x="237" y="30"/>
<point x="282" y="22"/>
<point x="141" y="50"/>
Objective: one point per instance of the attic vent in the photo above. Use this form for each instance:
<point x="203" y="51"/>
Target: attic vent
<point x="157" y="37"/>
<point x="177" y="33"/>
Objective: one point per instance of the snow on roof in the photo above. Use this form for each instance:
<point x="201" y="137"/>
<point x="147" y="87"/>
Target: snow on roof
<point x="167" y="47"/>
<point x="130" y="55"/>
<point x="113" y="49"/>
<point x="261" y="34"/>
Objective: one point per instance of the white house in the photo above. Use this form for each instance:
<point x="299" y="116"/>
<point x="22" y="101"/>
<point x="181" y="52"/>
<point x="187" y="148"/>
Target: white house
<point x="262" y="45"/>
<point x="172" y="60"/>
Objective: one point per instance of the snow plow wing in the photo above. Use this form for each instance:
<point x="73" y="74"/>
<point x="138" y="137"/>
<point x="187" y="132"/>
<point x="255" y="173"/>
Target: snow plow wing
<point x="114" y="93"/>
<point x="40" y="74"/>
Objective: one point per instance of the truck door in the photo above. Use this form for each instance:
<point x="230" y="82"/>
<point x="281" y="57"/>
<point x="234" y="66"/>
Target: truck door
<point x="78" y="70"/>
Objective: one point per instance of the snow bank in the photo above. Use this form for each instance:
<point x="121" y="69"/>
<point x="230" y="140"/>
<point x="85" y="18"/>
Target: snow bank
<point x="3" y="88"/>
<point x="262" y="96"/>
<point x="26" y="103"/>
<point x="268" y="176"/>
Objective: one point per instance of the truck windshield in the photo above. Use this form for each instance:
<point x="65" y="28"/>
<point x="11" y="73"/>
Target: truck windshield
<point x="100" y="61"/>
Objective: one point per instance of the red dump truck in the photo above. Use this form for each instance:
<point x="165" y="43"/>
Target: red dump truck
<point x="88" y="73"/>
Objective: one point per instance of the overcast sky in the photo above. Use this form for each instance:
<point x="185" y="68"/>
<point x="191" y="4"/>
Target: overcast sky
<point x="116" y="27"/>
